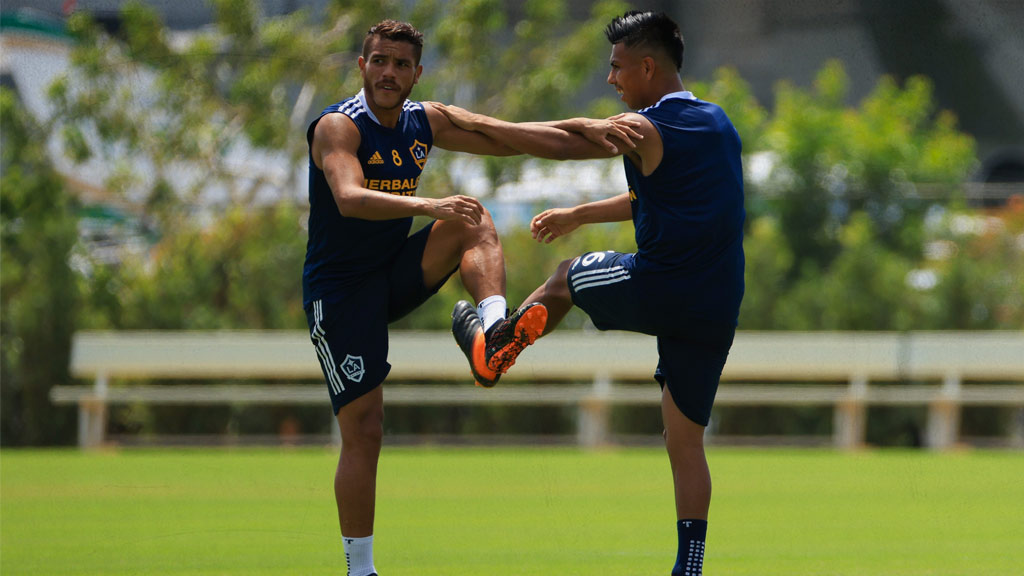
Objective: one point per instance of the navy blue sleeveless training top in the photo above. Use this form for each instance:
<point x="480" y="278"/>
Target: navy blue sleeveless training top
<point x="342" y="251"/>
<point x="689" y="212"/>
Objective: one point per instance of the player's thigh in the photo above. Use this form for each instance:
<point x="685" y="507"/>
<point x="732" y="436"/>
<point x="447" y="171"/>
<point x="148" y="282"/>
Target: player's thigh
<point x="442" y="253"/>
<point x="602" y="285"/>
<point x="691" y="367"/>
<point x="351" y="342"/>
<point x="419" y="270"/>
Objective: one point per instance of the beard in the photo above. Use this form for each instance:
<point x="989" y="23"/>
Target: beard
<point x="387" y="99"/>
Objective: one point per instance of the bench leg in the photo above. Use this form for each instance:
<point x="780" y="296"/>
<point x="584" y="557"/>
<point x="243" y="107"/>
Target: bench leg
<point x="92" y="423"/>
<point x="944" y="416"/>
<point x="850" y="424"/>
<point x="593" y="425"/>
<point x="850" y="420"/>
<point x="943" y="425"/>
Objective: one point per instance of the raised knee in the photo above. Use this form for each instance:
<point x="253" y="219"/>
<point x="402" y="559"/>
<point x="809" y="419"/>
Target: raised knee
<point x="485" y="230"/>
<point x="558" y="283"/>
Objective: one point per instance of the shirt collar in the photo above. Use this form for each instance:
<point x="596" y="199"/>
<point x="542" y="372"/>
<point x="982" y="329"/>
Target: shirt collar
<point x="684" y="95"/>
<point x="362" y="100"/>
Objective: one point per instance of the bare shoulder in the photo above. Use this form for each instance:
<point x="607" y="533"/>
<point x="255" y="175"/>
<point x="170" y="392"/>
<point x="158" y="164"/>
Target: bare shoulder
<point x="335" y="125"/>
<point x="437" y="119"/>
<point x="649" y="151"/>
<point x="644" y="126"/>
<point x="333" y="133"/>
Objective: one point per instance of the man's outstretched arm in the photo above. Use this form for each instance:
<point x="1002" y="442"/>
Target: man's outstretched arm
<point x="570" y="139"/>
<point x="450" y="136"/>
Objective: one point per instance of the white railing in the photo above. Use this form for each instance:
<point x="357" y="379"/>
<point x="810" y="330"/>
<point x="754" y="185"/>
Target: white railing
<point x="848" y="371"/>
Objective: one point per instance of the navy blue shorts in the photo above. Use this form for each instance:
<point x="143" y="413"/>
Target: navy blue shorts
<point x="350" y="334"/>
<point x="691" y="349"/>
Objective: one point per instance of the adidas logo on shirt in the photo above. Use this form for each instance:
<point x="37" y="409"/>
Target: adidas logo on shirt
<point x="375" y="159"/>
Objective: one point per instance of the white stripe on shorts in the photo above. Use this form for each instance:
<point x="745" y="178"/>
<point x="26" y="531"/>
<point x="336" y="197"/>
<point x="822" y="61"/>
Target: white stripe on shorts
<point x="575" y="277"/>
<point x="324" y="351"/>
<point x="609" y="276"/>
<point x="600" y="281"/>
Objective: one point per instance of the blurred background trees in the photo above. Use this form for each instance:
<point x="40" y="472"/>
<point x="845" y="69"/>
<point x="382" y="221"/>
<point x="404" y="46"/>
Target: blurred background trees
<point x="856" y="214"/>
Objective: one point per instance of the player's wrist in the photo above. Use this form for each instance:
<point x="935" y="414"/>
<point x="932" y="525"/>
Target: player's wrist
<point x="426" y="206"/>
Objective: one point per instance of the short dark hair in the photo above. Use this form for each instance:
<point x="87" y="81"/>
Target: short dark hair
<point x="657" y="30"/>
<point x="396" y="31"/>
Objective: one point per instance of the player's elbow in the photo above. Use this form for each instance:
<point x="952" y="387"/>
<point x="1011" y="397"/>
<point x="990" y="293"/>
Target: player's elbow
<point x="347" y="202"/>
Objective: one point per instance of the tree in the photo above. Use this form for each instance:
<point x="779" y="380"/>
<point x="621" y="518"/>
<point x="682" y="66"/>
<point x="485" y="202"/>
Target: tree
<point x="890" y="158"/>
<point x="177" y="130"/>
<point x="838" y="225"/>
<point x="38" y="290"/>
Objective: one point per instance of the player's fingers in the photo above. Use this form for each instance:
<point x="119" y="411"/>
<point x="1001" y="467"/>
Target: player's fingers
<point x="439" y="107"/>
<point x="537" y="229"/>
<point x="633" y="134"/>
<point x="540" y="224"/>
<point x="619" y="134"/>
<point x="475" y="210"/>
<point x="626" y="131"/>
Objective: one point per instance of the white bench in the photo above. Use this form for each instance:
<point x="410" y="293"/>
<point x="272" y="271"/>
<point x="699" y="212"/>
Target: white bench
<point x="842" y="370"/>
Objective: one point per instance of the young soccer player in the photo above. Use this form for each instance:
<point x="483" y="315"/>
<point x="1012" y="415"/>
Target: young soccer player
<point x="685" y="282"/>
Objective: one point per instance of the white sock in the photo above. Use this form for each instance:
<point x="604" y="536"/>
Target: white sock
<point x="491" y="310"/>
<point x="359" y="554"/>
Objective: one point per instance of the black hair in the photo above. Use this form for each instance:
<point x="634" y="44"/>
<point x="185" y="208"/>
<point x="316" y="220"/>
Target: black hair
<point x="396" y="31"/>
<point x="655" y="30"/>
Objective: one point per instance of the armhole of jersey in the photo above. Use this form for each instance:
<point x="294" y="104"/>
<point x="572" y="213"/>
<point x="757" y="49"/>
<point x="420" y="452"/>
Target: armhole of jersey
<point x="426" y="122"/>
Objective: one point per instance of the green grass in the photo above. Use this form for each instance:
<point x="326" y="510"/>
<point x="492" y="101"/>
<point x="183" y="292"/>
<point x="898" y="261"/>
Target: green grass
<point x="510" y="512"/>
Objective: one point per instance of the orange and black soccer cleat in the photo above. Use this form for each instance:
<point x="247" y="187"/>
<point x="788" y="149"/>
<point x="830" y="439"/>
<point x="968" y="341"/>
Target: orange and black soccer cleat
<point x="469" y="334"/>
<point x="507" y="339"/>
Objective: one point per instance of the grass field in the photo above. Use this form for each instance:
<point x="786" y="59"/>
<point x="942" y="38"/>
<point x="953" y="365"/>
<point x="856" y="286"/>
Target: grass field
<point x="504" y="511"/>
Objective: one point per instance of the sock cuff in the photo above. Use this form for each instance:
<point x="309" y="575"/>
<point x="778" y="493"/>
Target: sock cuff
<point x="694" y="528"/>
<point x="491" y="310"/>
<point x="492" y="299"/>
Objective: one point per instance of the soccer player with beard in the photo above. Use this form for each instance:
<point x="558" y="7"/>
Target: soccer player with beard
<point x="364" y="270"/>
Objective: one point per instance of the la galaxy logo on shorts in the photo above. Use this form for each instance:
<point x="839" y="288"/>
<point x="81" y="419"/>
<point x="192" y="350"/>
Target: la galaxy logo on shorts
<point x="352" y="367"/>
<point x="419" y="153"/>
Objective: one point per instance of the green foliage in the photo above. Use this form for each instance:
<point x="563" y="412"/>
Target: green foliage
<point x="858" y="201"/>
<point x="525" y="67"/>
<point x="241" y="272"/>
<point x="838" y="229"/>
<point x="980" y="282"/>
<point x="730" y="91"/>
<point x="38" y="292"/>
<point x="833" y="161"/>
